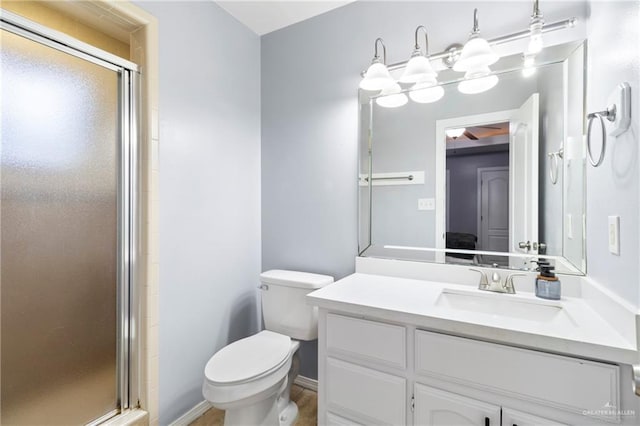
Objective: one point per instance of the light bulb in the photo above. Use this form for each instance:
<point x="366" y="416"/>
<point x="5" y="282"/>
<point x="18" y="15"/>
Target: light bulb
<point x="455" y="133"/>
<point x="535" y="41"/>
<point x="529" y="66"/>
<point x="535" y="44"/>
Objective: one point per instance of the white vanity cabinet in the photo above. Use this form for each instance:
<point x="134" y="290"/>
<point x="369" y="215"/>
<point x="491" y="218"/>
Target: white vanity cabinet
<point x="437" y="407"/>
<point x="365" y="371"/>
<point x="377" y="372"/>
<point x="512" y="417"/>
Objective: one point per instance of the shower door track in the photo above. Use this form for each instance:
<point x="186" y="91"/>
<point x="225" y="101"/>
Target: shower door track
<point x="129" y="190"/>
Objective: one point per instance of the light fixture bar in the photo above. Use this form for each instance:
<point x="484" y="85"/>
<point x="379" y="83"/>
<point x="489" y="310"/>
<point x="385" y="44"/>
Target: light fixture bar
<point x="555" y="26"/>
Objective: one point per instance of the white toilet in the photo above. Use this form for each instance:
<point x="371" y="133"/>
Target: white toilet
<point x="251" y="379"/>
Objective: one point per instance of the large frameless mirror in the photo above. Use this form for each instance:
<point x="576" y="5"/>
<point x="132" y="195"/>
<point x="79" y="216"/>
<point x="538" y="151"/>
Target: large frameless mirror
<point x="494" y="178"/>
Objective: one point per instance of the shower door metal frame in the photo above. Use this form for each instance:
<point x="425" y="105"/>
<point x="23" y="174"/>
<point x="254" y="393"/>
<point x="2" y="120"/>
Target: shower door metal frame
<point x="128" y="202"/>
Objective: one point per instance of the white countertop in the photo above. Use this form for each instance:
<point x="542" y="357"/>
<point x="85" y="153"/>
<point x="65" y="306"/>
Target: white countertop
<point x="577" y="330"/>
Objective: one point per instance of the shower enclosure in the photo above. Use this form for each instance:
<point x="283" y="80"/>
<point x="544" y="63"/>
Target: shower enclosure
<point x="68" y="226"/>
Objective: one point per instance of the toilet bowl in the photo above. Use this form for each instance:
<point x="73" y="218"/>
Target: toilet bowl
<point x="251" y="378"/>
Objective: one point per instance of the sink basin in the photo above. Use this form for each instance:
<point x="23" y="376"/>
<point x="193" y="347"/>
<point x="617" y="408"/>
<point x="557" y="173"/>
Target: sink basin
<point x="504" y="306"/>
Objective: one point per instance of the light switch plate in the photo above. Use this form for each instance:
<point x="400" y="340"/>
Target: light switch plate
<point x="426" y="204"/>
<point x="614" y="234"/>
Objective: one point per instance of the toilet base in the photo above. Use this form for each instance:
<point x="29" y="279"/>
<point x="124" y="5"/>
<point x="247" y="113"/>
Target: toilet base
<point x="266" y="412"/>
<point x="289" y="415"/>
<point x="261" y="413"/>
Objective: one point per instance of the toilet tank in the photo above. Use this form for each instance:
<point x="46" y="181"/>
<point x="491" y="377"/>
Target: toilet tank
<point x="284" y="307"/>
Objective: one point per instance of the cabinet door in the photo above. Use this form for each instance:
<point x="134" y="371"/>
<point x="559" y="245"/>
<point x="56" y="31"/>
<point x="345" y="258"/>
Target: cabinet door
<point x="518" y="418"/>
<point x="369" y="396"/>
<point x="435" y="407"/>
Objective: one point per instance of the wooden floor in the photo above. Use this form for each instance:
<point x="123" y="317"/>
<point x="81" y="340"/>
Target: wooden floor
<point x="307" y="401"/>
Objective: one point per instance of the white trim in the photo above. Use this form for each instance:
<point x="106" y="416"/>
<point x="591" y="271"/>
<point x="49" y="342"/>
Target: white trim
<point x="441" y="159"/>
<point x="129" y="417"/>
<point x="202" y="407"/>
<point x="19" y="25"/>
<point x="193" y="414"/>
<point x="306" y="383"/>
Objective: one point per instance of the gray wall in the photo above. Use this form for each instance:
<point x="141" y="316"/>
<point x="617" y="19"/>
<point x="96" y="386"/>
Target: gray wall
<point x="464" y="188"/>
<point x="310" y="76"/>
<point x="403" y="139"/>
<point x="613" y="188"/>
<point x="209" y="192"/>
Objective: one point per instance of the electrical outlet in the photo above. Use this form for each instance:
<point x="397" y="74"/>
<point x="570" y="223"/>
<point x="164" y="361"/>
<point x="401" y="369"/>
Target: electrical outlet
<point x="426" y="204"/>
<point x="614" y="234"/>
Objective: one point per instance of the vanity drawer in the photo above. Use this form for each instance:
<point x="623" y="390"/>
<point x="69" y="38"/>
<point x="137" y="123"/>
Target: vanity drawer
<point x="569" y="384"/>
<point x="335" y="420"/>
<point x="369" y="341"/>
<point x="366" y="394"/>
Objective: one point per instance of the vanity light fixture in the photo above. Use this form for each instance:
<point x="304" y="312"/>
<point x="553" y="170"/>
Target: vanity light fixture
<point x="377" y="76"/>
<point x="419" y="69"/>
<point x="476" y="53"/>
<point x="535" y="29"/>
<point x="392" y="97"/>
<point x="474" y="60"/>
<point x="455" y="133"/>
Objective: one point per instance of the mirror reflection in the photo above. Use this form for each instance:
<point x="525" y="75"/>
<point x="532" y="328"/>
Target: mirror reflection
<point x="470" y="178"/>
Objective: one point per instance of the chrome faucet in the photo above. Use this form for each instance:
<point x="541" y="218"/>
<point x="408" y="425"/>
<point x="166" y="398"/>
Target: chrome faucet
<point x="508" y="283"/>
<point x="484" y="282"/>
<point x="496" y="284"/>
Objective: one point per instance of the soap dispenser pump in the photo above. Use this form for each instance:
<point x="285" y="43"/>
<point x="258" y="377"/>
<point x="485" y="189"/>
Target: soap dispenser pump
<point x="547" y="284"/>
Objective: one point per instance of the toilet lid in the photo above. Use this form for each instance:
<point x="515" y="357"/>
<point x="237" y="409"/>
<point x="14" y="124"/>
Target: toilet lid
<point x="248" y="358"/>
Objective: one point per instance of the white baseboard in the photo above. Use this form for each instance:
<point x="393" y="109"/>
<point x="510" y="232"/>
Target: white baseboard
<point x="306" y="383"/>
<point x="202" y="407"/>
<point x="191" y="415"/>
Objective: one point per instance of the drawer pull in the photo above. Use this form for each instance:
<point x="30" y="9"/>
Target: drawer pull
<point x="487" y="421"/>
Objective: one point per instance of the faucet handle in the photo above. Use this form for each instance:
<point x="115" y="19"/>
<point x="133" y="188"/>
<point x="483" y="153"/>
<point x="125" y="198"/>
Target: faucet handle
<point x="484" y="281"/>
<point x="508" y="283"/>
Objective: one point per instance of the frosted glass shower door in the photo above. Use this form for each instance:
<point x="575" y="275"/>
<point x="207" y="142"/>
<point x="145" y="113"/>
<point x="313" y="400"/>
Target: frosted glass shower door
<point x="59" y="180"/>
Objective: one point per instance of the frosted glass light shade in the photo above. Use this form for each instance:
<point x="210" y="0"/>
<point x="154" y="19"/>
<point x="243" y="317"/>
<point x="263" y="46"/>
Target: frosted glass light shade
<point x="377" y="77"/>
<point x="476" y="53"/>
<point x="425" y="94"/>
<point x="418" y="69"/>
<point x="390" y="97"/>
<point x="477" y="84"/>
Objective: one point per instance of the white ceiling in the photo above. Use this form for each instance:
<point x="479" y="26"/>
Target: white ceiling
<point x="265" y="16"/>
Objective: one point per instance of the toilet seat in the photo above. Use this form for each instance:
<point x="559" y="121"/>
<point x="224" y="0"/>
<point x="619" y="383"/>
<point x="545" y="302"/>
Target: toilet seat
<point x="248" y="359"/>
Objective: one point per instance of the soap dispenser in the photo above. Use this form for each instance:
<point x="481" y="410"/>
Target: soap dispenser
<point x="547" y="284"/>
